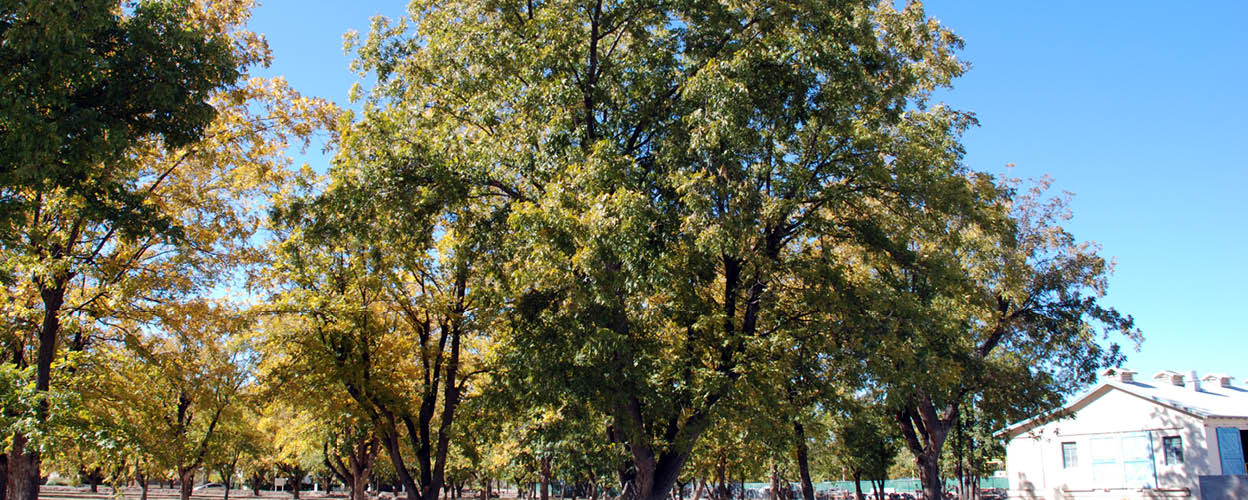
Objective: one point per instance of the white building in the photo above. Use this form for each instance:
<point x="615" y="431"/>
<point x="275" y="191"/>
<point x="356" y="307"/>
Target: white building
<point x="1134" y="439"/>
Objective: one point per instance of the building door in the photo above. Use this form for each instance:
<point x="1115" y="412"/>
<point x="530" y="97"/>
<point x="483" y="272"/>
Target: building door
<point x="1231" y="451"/>
<point x="1123" y="461"/>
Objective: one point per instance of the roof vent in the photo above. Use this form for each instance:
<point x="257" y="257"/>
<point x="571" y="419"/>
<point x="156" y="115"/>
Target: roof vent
<point x="1119" y="375"/>
<point x="1222" y="380"/>
<point x="1170" y="376"/>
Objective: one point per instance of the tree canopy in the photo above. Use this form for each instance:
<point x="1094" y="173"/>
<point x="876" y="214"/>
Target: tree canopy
<point x="619" y="245"/>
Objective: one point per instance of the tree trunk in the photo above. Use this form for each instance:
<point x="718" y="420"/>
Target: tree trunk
<point x="359" y="487"/>
<point x="803" y="461"/>
<point x="924" y="431"/>
<point x="141" y="478"/>
<point x="188" y="482"/>
<point x="256" y="481"/>
<point x="24" y="463"/>
<point x="94" y="477"/>
<point x="23" y="482"/>
<point x="929" y="475"/>
<point x="4" y="475"/>
<point x="959" y="468"/>
<point x="296" y="481"/>
<point x="697" y="488"/>
<point x="655" y="478"/>
<point x="858" y="485"/>
<point x="775" y="482"/>
<point x="544" y="462"/>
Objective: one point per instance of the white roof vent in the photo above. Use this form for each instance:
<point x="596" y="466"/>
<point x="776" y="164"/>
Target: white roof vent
<point x="1221" y="379"/>
<point x="1169" y="376"/>
<point x="1119" y="375"/>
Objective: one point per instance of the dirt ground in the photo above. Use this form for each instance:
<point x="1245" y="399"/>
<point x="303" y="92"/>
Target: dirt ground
<point x="106" y="493"/>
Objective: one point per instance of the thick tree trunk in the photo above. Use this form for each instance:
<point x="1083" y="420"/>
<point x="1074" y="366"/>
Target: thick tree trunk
<point x="929" y="475"/>
<point x="188" y="483"/>
<point x="655" y="478"/>
<point x="924" y="431"/>
<point x="4" y="475"/>
<point x="803" y="461"/>
<point x="858" y="486"/>
<point x="359" y="487"/>
<point x="23" y="482"/>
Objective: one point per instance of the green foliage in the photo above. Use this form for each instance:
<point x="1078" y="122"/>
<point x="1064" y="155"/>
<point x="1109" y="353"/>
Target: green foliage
<point x="663" y="171"/>
<point x="866" y="441"/>
<point x="618" y="239"/>
<point x="86" y="81"/>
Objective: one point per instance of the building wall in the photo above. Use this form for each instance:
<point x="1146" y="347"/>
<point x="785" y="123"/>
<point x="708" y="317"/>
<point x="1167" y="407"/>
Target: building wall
<point x="1211" y="426"/>
<point x="1115" y="418"/>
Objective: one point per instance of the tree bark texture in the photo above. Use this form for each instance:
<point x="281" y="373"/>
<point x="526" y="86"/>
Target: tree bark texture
<point x="358" y="466"/>
<point x="4" y="475"/>
<point x="925" y="431"/>
<point x="23" y="469"/>
<point x="803" y="461"/>
<point x="929" y="475"/>
<point x="544" y="490"/>
<point x="187" y="478"/>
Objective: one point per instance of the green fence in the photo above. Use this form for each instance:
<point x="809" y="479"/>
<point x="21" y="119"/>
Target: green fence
<point x="901" y="485"/>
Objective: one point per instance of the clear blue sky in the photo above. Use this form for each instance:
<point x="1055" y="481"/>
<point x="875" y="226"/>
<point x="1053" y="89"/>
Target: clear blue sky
<point x="1139" y="108"/>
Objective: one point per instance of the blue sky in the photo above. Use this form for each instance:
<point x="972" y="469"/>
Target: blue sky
<point x="1138" y="108"/>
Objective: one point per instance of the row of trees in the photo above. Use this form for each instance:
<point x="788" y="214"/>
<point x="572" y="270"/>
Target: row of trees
<point x="622" y="243"/>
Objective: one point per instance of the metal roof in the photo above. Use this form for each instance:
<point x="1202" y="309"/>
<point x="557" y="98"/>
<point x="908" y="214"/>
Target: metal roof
<point x="1212" y="400"/>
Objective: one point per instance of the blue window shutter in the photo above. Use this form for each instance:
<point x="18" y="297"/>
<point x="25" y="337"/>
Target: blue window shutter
<point x="1230" y="450"/>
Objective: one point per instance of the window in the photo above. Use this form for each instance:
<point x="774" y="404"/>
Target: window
<point x="1173" y="445"/>
<point x="1070" y="458"/>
